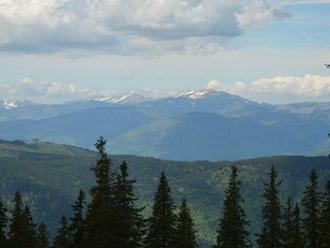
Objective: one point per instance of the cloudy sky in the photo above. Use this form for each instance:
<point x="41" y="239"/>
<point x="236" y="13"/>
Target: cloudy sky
<point x="56" y="50"/>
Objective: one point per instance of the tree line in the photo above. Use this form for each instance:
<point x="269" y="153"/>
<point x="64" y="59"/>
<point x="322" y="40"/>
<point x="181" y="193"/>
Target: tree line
<point x="112" y="217"/>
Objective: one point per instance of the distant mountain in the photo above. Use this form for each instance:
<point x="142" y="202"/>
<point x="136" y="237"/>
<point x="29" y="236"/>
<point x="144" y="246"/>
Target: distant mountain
<point x="192" y="125"/>
<point x="50" y="176"/>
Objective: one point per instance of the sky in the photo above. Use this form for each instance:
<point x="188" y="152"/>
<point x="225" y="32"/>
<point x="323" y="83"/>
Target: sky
<point x="60" y="50"/>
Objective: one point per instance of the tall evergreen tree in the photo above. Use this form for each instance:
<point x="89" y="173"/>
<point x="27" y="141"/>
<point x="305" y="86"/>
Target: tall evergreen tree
<point x="100" y="222"/>
<point x="311" y="203"/>
<point x="21" y="230"/>
<point x="292" y="237"/>
<point x="232" y="231"/>
<point x="3" y="225"/>
<point x="29" y="228"/>
<point x="162" y="229"/>
<point x="297" y="236"/>
<point x="78" y="225"/>
<point x="185" y="230"/>
<point x="130" y="226"/>
<point x="42" y="236"/>
<point x="325" y="219"/>
<point x="270" y="236"/>
<point x="62" y="239"/>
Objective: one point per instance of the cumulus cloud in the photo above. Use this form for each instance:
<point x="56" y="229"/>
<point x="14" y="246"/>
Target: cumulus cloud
<point x="279" y="89"/>
<point x="46" y="91"/>
<point x="127" y="27"/>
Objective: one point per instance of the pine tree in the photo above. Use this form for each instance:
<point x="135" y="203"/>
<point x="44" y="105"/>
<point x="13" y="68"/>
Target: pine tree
<point x="185" y="230"/>
<point x="78" y="226"/>
<point x="100" y="220"/>
<point x="232" y="231"/>
<point x="62" y="239"/>
<point x="42" y="236"/>
<point x="3" y="225"/>
<point x="30" y="234"/>
<point x="292" y="237"/>
<point x="325" y="219"/>
<point x="163" y="221"/>
<point x="270" y="236"/>
<point x="311" y="203"/>
<point x="22" y="229"/>
<point x="297" y="236"/>
<point x="130" y="226"/>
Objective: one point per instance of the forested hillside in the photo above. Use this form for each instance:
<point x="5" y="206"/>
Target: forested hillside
<point x="50" y="176"/>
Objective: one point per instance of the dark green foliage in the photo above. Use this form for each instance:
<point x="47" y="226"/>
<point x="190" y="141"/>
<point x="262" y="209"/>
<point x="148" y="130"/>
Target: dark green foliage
<point x="130" y="226"/>
<point x="162" y="227"/>
<point x="62" y="239"/>
<point x="271" y="234"/>
<point x="232" y="231"/>
<point x="3" y="225"/>
<point x="311" y="203"/>
<point x="292" y="236"/>
<point x="325" y="219"/>
<point x="22" y="229"/>
<point x="185" y="230"/>
<point x="100" y="221"/>
<point x="297" y="239"/>
<point x="78" y="226"/>
<point x="42" y="236"/>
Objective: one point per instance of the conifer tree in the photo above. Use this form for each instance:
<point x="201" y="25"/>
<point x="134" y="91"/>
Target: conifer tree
<point x="311" y="203"/>
<point x="232" y="231"/>
<point x="325" y="219"/>
<point x="3" y="225"/>
<point x="42" y="236"/>
<point x="21" y="230"/>
<point x="297" y="236"/>
<point x="78" y="226"/>
<point x="62" y="239"/>
<point x="292" y="237"/>
<point x="162" y="229"/>
<point x="29" y="228"/>
<point x="100" y="220"/>
<point x="270" y="236"/>
<point x="185" y="230"/>
<point x="130" y="226"/>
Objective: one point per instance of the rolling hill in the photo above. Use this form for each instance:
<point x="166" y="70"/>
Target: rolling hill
<point x="50" y="176"/>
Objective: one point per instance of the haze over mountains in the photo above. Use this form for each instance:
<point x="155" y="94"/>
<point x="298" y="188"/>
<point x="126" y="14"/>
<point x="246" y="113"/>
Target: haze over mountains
<point x="195" y="125"/>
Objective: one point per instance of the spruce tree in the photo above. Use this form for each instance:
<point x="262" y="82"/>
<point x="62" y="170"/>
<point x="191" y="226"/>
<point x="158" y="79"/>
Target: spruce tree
<point x="100" y="220"/>
<point x="271" y="233"/>
<point x="162" y="229"/>
<point x="297" y="236"/>
<point x="3" y="225"/>
<point x="63" y="237"/>
<point x="42" y="236"/>
<point x="130" y="226"/>
<point x="22" y="229"/>
<point x="185" y="230"/>
<point x="78" y="226"/>
<point x="292" y="237"/>
<point x="325" y="219"/>
<point x="232" y="231"/>
<point x="29" y="228"/>
<point x="311" y="204"/>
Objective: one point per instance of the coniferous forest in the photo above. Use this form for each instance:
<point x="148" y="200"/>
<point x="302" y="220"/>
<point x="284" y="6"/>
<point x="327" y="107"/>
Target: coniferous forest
<point x="111" y="215"/>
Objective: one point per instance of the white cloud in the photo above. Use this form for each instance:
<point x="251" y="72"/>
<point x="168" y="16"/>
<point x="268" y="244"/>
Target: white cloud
<point x="280" y="89"/>
<point x="126" y="27"/>
<point x="45" y="91"/>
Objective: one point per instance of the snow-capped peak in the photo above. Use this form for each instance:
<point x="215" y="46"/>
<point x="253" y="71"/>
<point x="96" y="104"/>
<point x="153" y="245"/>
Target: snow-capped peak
<point x="198" y="94"/>
<point x="130" y="97"/>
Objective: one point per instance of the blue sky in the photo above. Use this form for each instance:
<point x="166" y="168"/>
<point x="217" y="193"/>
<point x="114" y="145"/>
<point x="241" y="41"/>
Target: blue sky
<point x="251" y="48"/>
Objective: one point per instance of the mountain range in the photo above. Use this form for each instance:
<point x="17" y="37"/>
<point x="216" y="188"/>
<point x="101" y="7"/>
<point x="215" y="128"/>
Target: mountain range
<point x="193" y="125"/>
